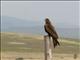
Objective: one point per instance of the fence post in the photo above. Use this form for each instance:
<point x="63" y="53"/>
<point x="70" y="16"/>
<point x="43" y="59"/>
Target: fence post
<point x="48" y="50"/>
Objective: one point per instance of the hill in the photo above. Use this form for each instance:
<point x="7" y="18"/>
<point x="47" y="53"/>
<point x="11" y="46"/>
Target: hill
<point x="12" y="24"/>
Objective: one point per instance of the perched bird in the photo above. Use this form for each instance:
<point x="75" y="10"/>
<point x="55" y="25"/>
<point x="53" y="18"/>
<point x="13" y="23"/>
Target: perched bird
<point x="51" y="32"/>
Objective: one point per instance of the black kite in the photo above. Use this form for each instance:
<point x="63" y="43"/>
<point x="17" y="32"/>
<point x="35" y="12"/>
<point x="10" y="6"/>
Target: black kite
<point x="51" y="32"/>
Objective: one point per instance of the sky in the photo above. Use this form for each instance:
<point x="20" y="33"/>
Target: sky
<point x="60" y="13"/>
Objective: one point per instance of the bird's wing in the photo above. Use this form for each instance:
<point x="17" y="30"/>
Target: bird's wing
<point x="51" y="30"/>
<point x="45" y="28"/>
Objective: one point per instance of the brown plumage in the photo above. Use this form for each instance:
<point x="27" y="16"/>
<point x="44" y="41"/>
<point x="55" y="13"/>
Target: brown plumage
<point x="51" y="32"/>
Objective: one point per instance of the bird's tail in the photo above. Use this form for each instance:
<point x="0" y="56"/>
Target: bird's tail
<point x="55" y="42"/>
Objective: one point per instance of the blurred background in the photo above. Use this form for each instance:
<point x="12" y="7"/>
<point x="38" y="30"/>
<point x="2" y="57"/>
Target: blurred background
<point x="22" y="29"/>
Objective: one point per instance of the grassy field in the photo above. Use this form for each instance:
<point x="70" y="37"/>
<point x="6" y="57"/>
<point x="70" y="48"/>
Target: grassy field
<point x="31" y="47"/>
<point x="28" y="43"/>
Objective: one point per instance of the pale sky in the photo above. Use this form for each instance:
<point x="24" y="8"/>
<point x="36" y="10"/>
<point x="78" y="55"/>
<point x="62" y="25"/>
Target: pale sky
<point x="66" y="13"/>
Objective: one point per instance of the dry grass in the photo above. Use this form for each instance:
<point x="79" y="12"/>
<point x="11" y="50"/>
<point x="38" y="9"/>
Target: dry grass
<point x="34" y="47"/>
<point x="36" y="56"/>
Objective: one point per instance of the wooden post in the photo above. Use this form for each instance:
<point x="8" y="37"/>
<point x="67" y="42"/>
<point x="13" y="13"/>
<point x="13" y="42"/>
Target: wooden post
<point x="48" y="50"/>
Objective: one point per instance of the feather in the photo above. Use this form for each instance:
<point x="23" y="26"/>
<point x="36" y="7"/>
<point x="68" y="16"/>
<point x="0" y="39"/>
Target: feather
<point x="51" y="32"/>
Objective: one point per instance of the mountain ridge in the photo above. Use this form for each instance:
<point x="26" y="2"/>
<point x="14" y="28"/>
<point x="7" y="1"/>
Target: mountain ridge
<point x="12" y="24"/>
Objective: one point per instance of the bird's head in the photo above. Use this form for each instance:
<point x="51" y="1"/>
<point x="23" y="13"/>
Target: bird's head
<point x="47" y="21"/>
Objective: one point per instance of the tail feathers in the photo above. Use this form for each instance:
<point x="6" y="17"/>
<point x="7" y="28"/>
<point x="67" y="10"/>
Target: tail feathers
<point x="55" y="42"/>
<point x="58" y="43"/>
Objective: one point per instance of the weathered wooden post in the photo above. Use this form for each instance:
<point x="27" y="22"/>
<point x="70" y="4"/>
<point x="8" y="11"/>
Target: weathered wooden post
<point x="48" y="50"/>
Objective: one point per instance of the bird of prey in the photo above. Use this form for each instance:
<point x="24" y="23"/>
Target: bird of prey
<point x="51" y="32"/>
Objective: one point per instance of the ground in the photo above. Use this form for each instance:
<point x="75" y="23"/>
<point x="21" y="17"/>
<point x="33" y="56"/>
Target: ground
<point x="36" y="56"/>
<point x="31" y="47"/>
